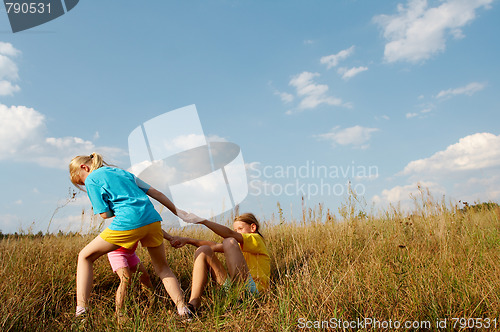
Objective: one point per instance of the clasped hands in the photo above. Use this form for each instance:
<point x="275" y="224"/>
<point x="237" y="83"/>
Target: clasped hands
<point x="191" y="218"/>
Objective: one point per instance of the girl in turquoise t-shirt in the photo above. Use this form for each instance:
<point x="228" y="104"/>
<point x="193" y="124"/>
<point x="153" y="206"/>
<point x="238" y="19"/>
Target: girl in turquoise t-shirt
<point x="117" y="193"/>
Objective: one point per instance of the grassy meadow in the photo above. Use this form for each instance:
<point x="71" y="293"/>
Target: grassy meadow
<point x="437" y="262"/>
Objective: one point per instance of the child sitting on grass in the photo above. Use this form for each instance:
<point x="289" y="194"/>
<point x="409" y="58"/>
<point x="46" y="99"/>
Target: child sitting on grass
<point x="246" y="254"/>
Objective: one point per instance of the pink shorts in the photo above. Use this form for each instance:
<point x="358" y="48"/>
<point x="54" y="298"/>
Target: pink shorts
<point x="120" y="258"/>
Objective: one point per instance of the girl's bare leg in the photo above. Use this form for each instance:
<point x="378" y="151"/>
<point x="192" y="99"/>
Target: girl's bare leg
<point x="167" y="276"/>
<point x="125" y="276"/>
<point x="84" y="270"/>
<point x="205" y="260"/>
<point x="236" y="264"/>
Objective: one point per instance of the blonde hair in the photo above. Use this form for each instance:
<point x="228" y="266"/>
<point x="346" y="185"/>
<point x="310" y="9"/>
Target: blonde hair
<point x="249" y="218"/>
<point x="93" y="161"/>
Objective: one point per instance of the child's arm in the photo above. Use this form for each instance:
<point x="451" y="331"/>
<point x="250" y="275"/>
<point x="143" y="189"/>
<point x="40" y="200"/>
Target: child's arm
<point x="179" y="241"/>
<point x="160" y="197"/>
<point x="167" y="236"/>
<point x="218" y="229"/>
<point x="222" y="230"/>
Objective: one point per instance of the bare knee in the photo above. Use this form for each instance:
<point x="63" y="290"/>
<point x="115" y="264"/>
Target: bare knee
<point x="203" y="251"/>
<point x="85" y="256"/>
<point x="88" y="255"/>
<point x="124" y="282"/>
<point x="230" y="243"/>
<point x="124" y="274"/>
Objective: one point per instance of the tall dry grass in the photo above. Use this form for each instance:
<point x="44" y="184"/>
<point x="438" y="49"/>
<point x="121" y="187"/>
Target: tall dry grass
<point x="436" y="262"/>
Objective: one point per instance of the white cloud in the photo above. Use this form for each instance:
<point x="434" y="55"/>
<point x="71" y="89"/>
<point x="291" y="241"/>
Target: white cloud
<point x="468" y="90"/>
<point x="382" y="117"/>
<point x="309" y="92"/>
<point x="23" y="130"/>
<point x="356" y="136"/>
<point x="348" y="73"/>
<point x="467" y="171"/>
<point x="58" y="152"/>
<point x="55" y="152"/>
<point x="417" y="32"/>
<point x="67" y="143"/>
<point x="312" y="94"/>
<point x="216" y="138"/>
<point x="426" y="109"/>
<point x="285" y="97"/>
<point x="405" y="194"/>
<point x="8" y="89"/>
<point x="19" y="126"/>
<point x="486" y="187"/>
<point x="23" y="138"/>
<point x="184" y="142"/>
<point x="8" y="70"/>
<point x="334" y="59"/>
<point x="473" y="152"/>
<point x="8" y="49"/>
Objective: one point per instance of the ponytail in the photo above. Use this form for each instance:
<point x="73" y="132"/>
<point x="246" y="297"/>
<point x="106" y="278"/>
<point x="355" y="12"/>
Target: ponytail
<point x="96" y="161"/>
<point x="93" y="161"/>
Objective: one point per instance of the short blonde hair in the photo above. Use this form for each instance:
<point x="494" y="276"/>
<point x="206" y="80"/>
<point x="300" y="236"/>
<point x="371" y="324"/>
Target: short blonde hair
<point x="93" y="161"/>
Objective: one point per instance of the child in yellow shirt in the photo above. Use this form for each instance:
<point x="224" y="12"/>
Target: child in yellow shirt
<point x="246" y="254"/>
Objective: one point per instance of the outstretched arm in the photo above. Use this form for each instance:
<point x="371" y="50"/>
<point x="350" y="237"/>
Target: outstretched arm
<point x="167" y="236"/>
<point x="222" y="230"/>
<point x="218" y="229"/>
<point x="179" y="241"/>
<point x="160" y="197"/>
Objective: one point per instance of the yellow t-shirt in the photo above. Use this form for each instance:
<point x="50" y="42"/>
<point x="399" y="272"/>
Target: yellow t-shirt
<point x="258" y="261"/>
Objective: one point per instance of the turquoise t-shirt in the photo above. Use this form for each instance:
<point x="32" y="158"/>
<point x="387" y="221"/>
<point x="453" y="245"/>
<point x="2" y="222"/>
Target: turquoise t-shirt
<point x="113" y="189"/>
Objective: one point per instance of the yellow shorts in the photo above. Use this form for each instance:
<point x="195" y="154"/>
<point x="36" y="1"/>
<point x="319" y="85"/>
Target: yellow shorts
<point x="150" y="236"/>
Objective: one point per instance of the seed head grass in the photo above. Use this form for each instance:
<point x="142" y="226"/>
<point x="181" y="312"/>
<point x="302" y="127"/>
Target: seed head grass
<point x="436" y="261"/>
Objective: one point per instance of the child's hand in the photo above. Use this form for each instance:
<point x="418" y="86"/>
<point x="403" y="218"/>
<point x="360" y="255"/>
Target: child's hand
<point x="190" y="218"/>
<point x="178" y="242"/>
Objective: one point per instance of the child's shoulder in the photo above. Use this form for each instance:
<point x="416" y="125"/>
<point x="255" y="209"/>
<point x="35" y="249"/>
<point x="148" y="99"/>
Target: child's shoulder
<point x="107" y="174"/>
<point x="256" y="237"/>
<point x="106" y="170"/>
<point x="254" y="234"/>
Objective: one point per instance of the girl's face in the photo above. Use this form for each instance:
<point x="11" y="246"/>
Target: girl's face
<point x="243" y="228"/>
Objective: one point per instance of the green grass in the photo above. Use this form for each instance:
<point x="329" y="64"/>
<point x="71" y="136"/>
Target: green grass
<point x="433" y="263"/>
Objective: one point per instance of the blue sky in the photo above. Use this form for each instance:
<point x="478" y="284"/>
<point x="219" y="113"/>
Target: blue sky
<point x="403" y="92"/>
